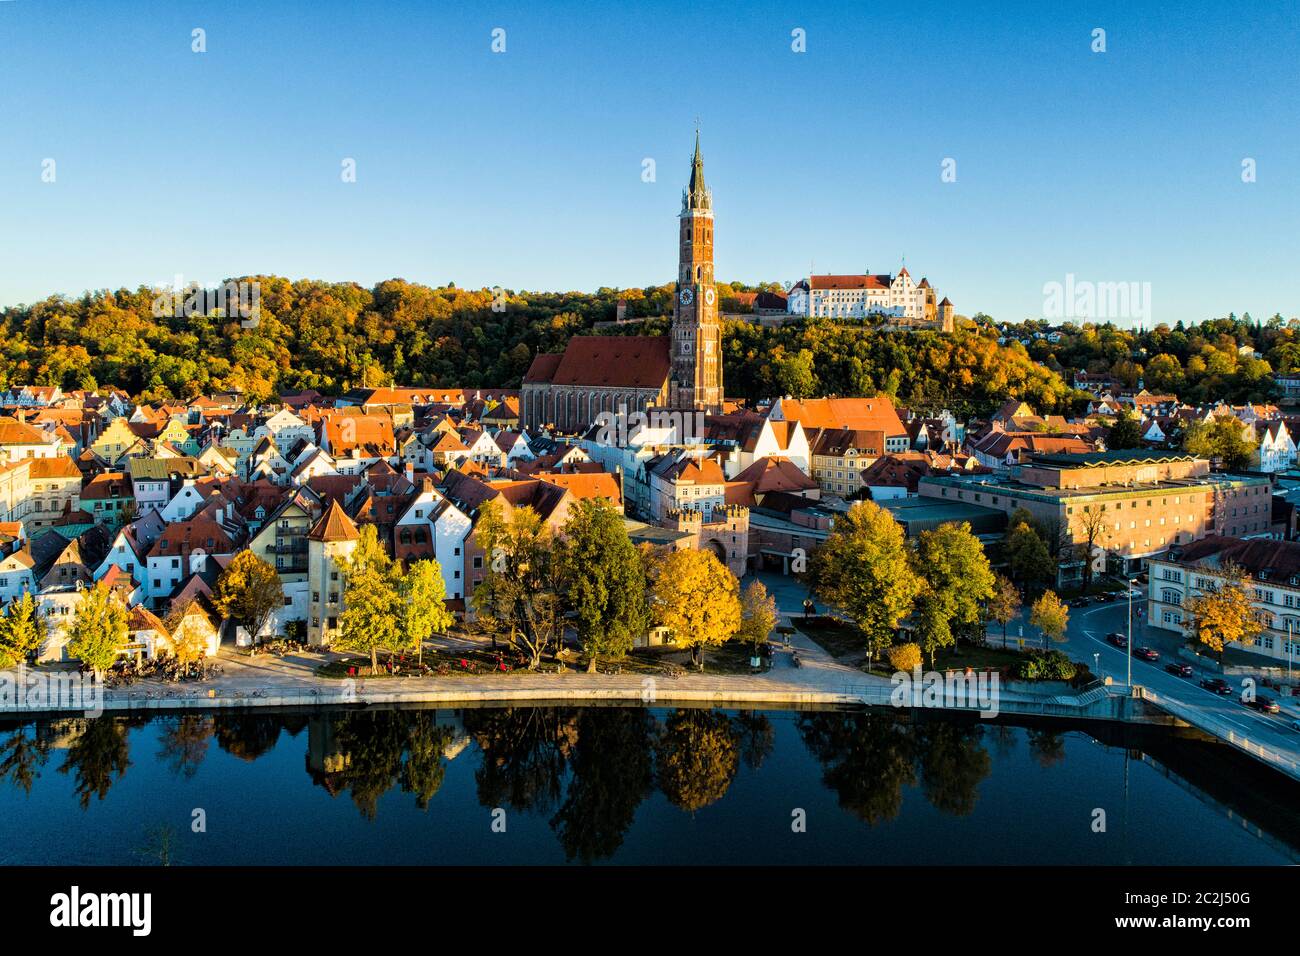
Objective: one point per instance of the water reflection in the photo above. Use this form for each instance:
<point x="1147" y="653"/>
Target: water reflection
<point x="586" y="772"/>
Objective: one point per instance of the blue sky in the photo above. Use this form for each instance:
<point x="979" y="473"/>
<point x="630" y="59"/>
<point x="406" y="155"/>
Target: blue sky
<point x="523" y="169"/>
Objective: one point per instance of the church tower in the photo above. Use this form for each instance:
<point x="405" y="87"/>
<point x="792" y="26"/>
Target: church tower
<point x="697" y="332"/>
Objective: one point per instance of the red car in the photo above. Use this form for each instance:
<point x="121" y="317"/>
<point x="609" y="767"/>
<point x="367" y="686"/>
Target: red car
<point x="1147" y="654"/>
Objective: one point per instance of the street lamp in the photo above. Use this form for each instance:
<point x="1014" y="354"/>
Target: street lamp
<point x="1290" y="646"/>
<point x="1130" y="633"/>
<point x="1096" y="660"/>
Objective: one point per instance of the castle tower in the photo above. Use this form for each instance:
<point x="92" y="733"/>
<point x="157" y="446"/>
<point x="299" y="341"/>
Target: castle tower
<point x="329" y="546"/>
<point x="945" y="315"/>
<point x="697" y="332"/>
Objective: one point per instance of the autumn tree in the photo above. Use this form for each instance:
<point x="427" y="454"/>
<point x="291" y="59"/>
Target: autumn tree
<point x="249" y="591"/>
<point x="1050" y="615"/>
<point x="863" y="568"/>
<point x="1224" y="614"/>
<point x="1004" y="603"/>
<point x="424" y="602"/>
<point x="1224" y="439"/>
<point x="757" y="615"/>
<point x="905" y="657"/>
<point x="22" y="631"/>
<point x="697" y="597"/>
<point x="189" y="642"/>
<point x="604" y="581"/>
<point x="99" y="628"/>
<point x="523" y="588"/>
<point x="373" y="611"/>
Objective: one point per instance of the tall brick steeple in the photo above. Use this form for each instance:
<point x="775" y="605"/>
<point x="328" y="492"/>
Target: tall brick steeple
<point x="697" y="330"/>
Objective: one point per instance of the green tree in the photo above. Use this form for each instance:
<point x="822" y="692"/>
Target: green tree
<point x="952" y="560"/>
<point x="1125" y="433"/>
<point x="98" y="631"/>
<point x="22" y="631"/>
<point x="373" y="612"/>
<point x="249" y="591"/>
<point x="424" y="599"/>
<point x="863" y="568"/>
<point x="1027" y="556"/>
<point x="604" y="580"/>
<point x="1224" y="439"/>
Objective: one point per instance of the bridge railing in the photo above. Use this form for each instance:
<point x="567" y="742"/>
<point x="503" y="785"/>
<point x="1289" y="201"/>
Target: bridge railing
<point x="1222" y="730"/>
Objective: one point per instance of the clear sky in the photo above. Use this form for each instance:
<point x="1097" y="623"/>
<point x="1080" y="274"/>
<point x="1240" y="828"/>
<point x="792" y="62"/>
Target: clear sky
<point x="524" y="168"/>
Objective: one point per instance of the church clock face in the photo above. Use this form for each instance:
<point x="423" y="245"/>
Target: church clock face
<point x="709" y="296"/>
<point x="686" y="296"/>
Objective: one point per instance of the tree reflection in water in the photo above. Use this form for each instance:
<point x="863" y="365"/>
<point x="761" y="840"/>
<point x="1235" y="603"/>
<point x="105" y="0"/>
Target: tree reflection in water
<point x="22" y="755"/>
<point x="184" y="742"/>
<point x="587" y="769"/>
<point x="612" y="772"/>
<point x="98" y="755"/>
<point x="697" y="758"/>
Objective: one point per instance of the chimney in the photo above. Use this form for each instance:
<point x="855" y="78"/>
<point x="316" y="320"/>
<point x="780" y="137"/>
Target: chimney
<point x="410" y="472"/>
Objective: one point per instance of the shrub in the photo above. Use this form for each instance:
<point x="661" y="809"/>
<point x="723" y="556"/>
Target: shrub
<point x="1046" y="665"/>
<point x="905" y="657"/>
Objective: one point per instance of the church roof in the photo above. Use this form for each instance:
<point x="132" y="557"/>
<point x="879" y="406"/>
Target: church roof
<point x="609" y="361"/>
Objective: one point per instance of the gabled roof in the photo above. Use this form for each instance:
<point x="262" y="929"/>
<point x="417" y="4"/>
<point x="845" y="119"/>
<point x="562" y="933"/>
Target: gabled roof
<point x="611" y="361"/>
<point x="334" y="525"/>
<point x="775" y="474"/>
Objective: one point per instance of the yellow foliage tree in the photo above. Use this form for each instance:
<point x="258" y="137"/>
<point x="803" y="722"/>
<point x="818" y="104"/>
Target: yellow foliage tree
<point x="1050" y="615"/>
<point x="1224" y="614"/>
<point x="698" y="598"/>
<point x="904" y="657"/>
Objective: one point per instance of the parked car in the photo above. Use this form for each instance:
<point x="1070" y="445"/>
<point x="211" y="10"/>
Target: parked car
<point x="1216" y="684"/>
<point x="1117" y="639"/>
<point x="1147" y="654"/>
<point x="1182" y="670"/>
<point x="1265" y="705"/>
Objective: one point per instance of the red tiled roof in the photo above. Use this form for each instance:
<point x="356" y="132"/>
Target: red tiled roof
<point x="615" y="361"/>
<point x="880" y="281"/>
<point x="335" y="525"/>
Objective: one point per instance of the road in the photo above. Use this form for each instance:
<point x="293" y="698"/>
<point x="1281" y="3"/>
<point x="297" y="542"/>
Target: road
<point x="1086" y="637"/>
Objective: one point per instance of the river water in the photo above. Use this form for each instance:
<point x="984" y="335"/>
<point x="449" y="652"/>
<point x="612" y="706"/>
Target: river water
<point x="627" y="785"/>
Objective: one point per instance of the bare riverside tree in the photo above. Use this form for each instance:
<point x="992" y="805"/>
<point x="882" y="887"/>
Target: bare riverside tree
<point x="522" y="588"/>
<point x="1094" y="524"/>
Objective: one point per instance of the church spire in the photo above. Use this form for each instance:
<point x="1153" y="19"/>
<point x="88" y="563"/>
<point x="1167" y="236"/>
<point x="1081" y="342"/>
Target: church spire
<point x="697" y="196"/>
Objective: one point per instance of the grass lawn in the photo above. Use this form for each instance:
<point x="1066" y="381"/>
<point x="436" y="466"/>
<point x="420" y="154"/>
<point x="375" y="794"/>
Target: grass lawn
<point x="972" y="655"/>
<point x="731" y="658"/>
<point x="837" y="638"/>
